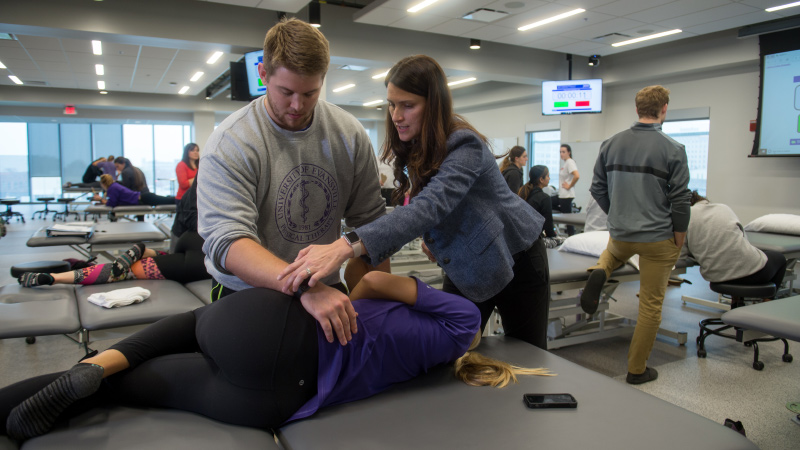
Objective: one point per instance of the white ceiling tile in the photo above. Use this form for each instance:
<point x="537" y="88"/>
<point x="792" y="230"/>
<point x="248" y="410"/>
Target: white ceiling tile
<point x="153" y="63"/>
<point x="457" y="27"/>
<point x="192" y="55"/>
<point x="675" y="9"/>
<point x="32" y="74"/>
<point x="119" y="60"/>
<point x="76" y="45"/>
<point x="47" y="55"/>
<point x="590" y="32"/>
<point x="452" y="9"/>
<point x="733" y="22"/>
<point x="526" y="6"/>
<point x="15" y="65"/>
<point x="39" y="42"/>
<point x="624" y="7"/>
<point x="381" y="16"/>
<point x="420" y="23"/>
<point x="552" y="42"/>
<point x="8" y="53"/>
<point x="114" y="49"/>
<point x="709" y="15"/>
<point x="159" y="53"/>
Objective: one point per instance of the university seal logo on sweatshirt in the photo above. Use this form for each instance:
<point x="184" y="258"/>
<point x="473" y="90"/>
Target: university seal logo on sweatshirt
<point x="307" y="199"/>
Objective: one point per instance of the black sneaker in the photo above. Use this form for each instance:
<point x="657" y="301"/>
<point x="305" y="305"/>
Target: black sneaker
<point x="649" y="374"/>
<point x="590" y="298"/>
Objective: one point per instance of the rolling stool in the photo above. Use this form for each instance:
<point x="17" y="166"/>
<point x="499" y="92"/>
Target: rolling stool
<point x="738" y="293"/>
<point x="66" y="201"/>
<point x="44" y="212"/>
<point x="8" y="214"/>
<point x="39" y="267"/>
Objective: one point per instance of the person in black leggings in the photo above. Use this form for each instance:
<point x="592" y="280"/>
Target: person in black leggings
<point x="258" y="359"/>
<point x="184" y="266"/>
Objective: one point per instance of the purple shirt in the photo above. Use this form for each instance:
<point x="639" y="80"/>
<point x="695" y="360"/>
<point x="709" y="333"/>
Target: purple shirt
<point x="117" y="195"/>
<point x="395" y="342"/>
<point x="109" y="168"/>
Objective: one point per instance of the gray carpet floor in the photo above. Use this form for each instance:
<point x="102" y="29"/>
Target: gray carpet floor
<point x="723" y="385"/>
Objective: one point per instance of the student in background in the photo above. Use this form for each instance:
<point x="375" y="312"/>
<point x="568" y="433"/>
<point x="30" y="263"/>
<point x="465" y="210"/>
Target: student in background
<point x="186" y="169"/>
<point x="119" y="195"/>
<point x="109" y="167"/>
<point x="531" y="192"/>
<point x="132" y="177"/>
<point x="511" y="167"/>
<point x="568" y="176"/>
<point x="718" y="242"/>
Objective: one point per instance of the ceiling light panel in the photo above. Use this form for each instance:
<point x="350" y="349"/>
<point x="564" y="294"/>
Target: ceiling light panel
<point x="780" y="7"/>
<point x="196" y="76"/>
<point x="184" y="90"/>
<point x="99" y="69"/>
<point x="214" y="58"/>
<point x="646" y="38"/>
<point x="421" y="5"/>
<point x="97" y="47"/>
<point x="344" y="88"/>
<point x="551" y="19"/>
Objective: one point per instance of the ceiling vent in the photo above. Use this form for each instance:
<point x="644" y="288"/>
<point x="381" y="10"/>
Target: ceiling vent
<point x="34" y="83"/>
<point x="610" y="38"/>
<point x="485" y="15"/>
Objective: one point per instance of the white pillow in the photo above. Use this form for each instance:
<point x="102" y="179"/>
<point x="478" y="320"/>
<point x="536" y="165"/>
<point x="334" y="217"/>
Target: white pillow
<point x="591" y="243"/>
<point x="776" y="223"/>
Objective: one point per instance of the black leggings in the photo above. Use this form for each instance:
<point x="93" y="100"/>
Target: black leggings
<point x="250" y="360"/>
<point x="148" y="198"/>
<point x="772" y="272"/>
<point x="525" y="301"/>
<point x="186" y="264"/>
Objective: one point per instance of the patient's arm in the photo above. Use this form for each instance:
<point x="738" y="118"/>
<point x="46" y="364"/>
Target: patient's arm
<point x="386" y="286"/>
<point x="356" y="268"/>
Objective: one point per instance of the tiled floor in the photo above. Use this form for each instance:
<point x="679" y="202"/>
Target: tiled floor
<point x="723" y="385"/>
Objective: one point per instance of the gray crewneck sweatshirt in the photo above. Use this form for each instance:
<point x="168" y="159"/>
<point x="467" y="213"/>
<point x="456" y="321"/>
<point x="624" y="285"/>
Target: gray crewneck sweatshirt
<point x="285" y="190"/>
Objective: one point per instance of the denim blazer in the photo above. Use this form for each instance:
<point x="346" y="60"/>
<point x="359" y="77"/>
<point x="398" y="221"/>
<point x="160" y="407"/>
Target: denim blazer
<point x="468" y="217"/>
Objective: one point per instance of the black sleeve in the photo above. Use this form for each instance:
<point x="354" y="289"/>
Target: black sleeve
<point x="186" y="216"/>
<point x="542" y="204"/>
<point x="91" y="174"/>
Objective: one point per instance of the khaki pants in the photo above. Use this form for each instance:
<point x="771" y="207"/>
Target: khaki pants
<point x="656" y="260"/>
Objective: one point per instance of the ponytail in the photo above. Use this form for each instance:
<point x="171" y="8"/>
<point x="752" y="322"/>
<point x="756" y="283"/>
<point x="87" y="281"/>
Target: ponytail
<point x="475" y="369"/>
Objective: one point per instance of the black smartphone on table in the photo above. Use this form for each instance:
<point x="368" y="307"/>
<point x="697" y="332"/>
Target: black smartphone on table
<point x="550" y="401"/>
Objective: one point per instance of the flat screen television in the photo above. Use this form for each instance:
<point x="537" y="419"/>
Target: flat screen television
<point x="572" y="97"/>
<point x="246" y="85"/>
<point x="778" y="119"/>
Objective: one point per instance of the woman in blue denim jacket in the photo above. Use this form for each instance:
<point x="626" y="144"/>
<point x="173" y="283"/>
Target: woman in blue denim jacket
<point x="485" y="237"/>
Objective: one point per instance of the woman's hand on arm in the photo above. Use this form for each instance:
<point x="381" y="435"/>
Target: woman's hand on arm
<point x="319" y="260"/>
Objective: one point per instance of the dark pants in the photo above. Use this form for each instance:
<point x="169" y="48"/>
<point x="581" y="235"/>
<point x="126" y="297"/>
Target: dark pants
<point x="148" y="198"/>
<point x="250" y="360"/>
<point x="186" y="263"/>
<point x="772" y="272"/>
<point x="565" y="206"/>
<point x="525" y="301"/>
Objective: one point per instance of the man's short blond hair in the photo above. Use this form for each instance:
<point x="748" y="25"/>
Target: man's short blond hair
<point x="296" y="46"/>
<point x="650" y="101"/>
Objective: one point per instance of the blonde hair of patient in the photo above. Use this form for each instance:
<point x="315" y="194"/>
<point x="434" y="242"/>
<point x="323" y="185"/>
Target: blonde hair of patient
<point x="476" y="369"/>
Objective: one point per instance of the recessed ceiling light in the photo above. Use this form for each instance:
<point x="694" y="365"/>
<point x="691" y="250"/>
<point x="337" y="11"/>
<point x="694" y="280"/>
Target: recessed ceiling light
<point x="97" y="47"/>
<point x="380" y="75"/>
<point x="778" y="8"/>
<point x="104" y="92"/>
<point x="196" y="76"/>
<point x="2" y="66"/>
<point x="421" y="5"/>
<point x="183" y="90"/>
<point x="99" y="69"/>
<point x="552" y="19"/>
<point x="15" y="79"/>
<point x="344" y="88"/>
<point x="101" y="85"/>
<point x="214" y="58"/>
<point x="465" y="80"/>
<point x="374" y="102"/>
<point x="646" y="38"/>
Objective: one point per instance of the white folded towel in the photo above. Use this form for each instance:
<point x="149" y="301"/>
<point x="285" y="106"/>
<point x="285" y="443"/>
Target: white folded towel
<point x="119" y="297"/>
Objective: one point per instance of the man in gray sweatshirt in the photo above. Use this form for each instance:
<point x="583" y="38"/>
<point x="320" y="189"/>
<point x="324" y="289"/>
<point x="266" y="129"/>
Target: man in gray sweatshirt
<point x="641" y="180"/>
<point x="281" y="173"/>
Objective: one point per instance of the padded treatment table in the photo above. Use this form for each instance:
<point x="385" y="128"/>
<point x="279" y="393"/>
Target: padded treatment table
<point x="106" y="237"/>
<point x="437" y="411"/>
<point x="569" y="324"/>
<point x="167" y="297"/>
<point x="201" y="289"/>
<point x="779" y="318"/>
<point x="38" y="311"/>
<point x="578" y="220"/>
<point x="123" y="428"/>
<point x="787" y="244"/>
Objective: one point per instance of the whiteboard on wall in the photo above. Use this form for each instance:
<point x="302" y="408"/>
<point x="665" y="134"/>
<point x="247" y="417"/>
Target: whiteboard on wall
<point x="585" y="155"/>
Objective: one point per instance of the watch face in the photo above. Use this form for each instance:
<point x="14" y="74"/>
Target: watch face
<point x="351" y="237"/>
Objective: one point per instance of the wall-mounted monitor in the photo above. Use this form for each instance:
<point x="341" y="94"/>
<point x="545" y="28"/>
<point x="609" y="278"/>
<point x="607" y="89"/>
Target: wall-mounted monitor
<point x="778" y="119"/>
<point x="572" y="97"/>
<point x="246" y="85"/>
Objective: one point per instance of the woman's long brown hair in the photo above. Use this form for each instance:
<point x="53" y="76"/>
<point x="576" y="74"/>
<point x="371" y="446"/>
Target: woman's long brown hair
<point x="416" y="162"/>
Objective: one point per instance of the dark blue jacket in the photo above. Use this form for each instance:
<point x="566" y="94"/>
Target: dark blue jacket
<point x="469" y="218"/>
